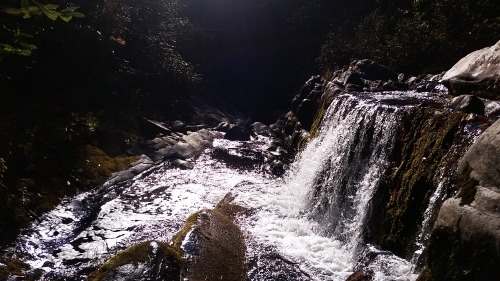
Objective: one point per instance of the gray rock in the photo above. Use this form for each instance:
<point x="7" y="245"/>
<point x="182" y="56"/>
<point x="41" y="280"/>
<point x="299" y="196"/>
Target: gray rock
<point x="260" y="129"/>
<point x="148" y="260"/>
<point x="371" y="70"/>
<point x="481" y="163"/>
<point x="464" y="242"/>
<point x="223" y="127"/>
<point x="183" y="164"/>
<point x="468" y="104"/>
<point x="492" y="108"/>
<point x="477" y="74"/>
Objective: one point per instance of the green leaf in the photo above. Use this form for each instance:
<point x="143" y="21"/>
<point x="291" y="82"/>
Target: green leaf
<point x="28" y="46"/>
<point x="26" y="15"/>
<point x="51" y="6"/>
<point x="76" y="14"/>
<point x="19" y="33"/>
<point x="51" y="15"/>
<point x="12" y="11"/>
<point x="65" y="18"/>
<point x="69" y="9"/>
<point x="34" y="10"/>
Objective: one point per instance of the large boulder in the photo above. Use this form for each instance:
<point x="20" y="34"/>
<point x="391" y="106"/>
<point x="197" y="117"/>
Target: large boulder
<point x="213" y="244"/>
<point x="150" y="260"/>
<point x="464" y="244"/>
<point x="477" y="74"/>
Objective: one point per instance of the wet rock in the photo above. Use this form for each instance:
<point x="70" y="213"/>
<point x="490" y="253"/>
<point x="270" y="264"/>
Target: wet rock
<point x="223" y="127"/>
<point x="468" y="104"/>
<point x="277" y="168"/>
<point x="480" y="165"/>
<point x="153" y="128"/>
<point x="361" y="275"/>
<point x="183" y="164"/>
<point x="306" y="112"/>
<point x="371" y="70"/>
<point x="260" y="129"/>
<point x="239" y="158"/>
<point x="476" y="74"/>
<point x="492" y="108"/>
<point x="150" y="260"/>
<point x="237" y="133"/>
<point x="213" y="244"/>
<point x="464" y="242"/>
<point x="178" y="126"/>
<point x="144" y="163"/>
<point x="312" y="89"/>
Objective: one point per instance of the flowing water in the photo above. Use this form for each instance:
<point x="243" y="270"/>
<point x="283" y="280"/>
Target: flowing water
<point x="307" y="225"/>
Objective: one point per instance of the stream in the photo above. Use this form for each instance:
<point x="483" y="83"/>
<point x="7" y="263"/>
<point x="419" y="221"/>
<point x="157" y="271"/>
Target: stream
<point x="306" y="225"/>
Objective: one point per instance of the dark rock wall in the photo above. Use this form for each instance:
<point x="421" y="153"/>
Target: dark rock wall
<point x="418" y="157"/>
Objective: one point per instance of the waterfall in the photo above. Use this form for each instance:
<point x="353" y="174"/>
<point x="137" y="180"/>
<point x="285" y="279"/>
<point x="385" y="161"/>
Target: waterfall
<point x="344" y="164"/>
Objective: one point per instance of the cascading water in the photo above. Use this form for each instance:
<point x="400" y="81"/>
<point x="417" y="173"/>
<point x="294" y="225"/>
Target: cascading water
<point x="307" y="226"/>
<point x="353" y="145"/>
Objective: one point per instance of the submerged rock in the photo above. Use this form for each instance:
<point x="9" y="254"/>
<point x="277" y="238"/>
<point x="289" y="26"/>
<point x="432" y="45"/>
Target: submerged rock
<point x="476" y="74"/>
<point x="464" y="242"/>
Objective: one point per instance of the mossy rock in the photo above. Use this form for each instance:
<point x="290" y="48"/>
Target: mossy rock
<point x="419" y="155"/>
<point x="95" y="166"/>
<point x="213" y="244"/>
<point x="150" y="260"/>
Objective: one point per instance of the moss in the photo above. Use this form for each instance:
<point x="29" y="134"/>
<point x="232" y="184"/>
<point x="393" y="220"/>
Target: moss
<point x="188" y="225"/>
<point x="17" y="267"/>
<point x="419" y="155"/>
<point x="96" y="166"/>
<point x="140" y="253"/>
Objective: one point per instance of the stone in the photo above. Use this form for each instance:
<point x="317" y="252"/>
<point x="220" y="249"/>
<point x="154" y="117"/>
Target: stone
<point x="468" y="104"/>
<point x="260" y="129"/>
<point x="178" y="126"/>
<point x="223" y="127"/>
<point x="214" y="243"/>
<point x="237" y="133"/>
<point x="492" y="108"/>
<point x="183" y="164"/>
<point x="371" y="70"/>
<point x="476" y="74"/>
<point x="464" y="241"/>
<point x="306" y="113"/>
<point x="481" y="163"/>
<point x="146" y="261"/>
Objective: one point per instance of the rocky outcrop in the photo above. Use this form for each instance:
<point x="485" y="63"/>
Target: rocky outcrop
<point x="150" y="260"/>
<point x="464" y="241"/>
<point x="213" y="244"/>
<point x="468" y="104"/>
<point x="476" y="74"/>
<point x="210" y="246"/>
<point x="303" y="120"/>
<point x="421" y="150"/>
<point x="177" y="145"/>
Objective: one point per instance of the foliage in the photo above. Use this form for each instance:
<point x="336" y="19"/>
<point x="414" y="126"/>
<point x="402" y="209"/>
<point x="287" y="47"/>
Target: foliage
<point x="49" y="10"/>
<point x="19" y="44"/>
<point x="414" y="36"/>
